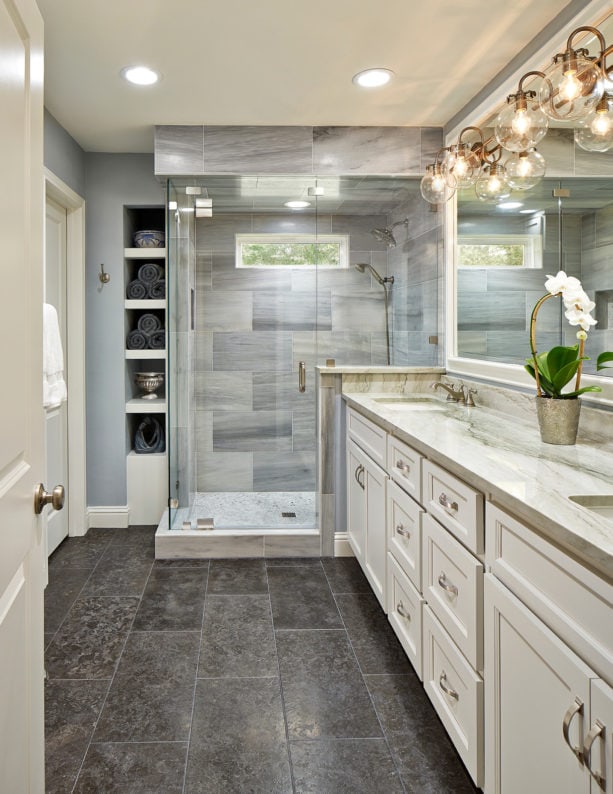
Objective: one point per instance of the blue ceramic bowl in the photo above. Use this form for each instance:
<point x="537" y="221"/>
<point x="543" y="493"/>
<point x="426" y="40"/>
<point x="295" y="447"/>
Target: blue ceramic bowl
<point x="149" y="238"/>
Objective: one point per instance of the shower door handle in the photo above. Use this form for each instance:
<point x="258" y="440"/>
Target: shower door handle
<point x="301" y="376"/>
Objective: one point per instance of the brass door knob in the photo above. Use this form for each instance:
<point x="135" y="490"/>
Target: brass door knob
<point x="42" y="498"/>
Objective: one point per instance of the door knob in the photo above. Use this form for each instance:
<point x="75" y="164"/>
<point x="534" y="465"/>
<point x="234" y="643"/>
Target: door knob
<point x="42" y="498"/>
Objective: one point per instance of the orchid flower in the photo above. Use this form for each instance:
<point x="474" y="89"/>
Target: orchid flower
<point x="561" y="284"/>
<point x="579" y="317"/>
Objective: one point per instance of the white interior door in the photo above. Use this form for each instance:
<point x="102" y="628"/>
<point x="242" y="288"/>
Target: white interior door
<point x="56" y="418"/>
<point x="21" y="412"/>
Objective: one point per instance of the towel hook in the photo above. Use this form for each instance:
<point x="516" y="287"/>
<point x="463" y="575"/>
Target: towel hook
<point x="104" y="277"/>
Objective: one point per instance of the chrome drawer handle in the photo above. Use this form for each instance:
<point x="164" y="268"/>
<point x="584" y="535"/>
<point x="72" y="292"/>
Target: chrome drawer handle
<point x="442" y="682"/>
<point x="400" y="464"/>
<point x="445" y="502"/>
<point x="401" y="612"/>
<point x="446" y="584"/>
<point x="402" y="531"/>
<point x="596" y="730"/>
<point x="575" y="708"/>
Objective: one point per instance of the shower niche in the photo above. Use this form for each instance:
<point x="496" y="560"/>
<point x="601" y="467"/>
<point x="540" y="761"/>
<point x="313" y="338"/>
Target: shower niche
<point x="242" y="437"/>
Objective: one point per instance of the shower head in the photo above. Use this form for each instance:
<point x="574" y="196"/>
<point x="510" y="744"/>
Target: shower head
<point x="363" y="267"/>
<point x="386" y="235"/>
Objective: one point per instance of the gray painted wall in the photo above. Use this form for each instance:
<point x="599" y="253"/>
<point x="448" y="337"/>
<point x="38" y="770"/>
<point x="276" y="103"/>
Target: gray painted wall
<point x="63" y="155"/>
<point x="111" y="181"/>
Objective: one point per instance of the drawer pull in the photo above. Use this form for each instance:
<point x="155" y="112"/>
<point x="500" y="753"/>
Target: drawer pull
<point x="575" y="708"/>
<point x="596" y="730"/>
<point x="359" y="470"/>
<point x="401" y="612"/>
<point x="442" y="682"/>
<point x="404" y="467"/>
<point x="445" y="502"/>
<point x="402" y="531"/>
<point x="446" y="584"/>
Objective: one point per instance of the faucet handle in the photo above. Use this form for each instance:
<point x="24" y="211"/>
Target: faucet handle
<point x="468" y="396"/>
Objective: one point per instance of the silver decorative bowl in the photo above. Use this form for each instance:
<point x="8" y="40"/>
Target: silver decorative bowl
<point x="149" y="382"/>
<point x="149" y="238"/>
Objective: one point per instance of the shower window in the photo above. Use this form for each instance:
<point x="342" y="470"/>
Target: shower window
<point x="292" y="251"/>
<point x="492" y="250"/>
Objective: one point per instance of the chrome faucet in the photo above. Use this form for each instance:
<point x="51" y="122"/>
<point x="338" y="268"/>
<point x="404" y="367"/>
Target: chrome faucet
<point x="456" y="394"/>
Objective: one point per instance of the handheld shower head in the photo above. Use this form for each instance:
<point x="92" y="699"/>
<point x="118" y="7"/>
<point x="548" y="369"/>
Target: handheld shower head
<point x="363" y="267"/>
<point x="386" y="235"/>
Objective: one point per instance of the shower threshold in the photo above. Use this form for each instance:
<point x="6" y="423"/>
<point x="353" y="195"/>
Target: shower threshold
<point x="279" y="510"/>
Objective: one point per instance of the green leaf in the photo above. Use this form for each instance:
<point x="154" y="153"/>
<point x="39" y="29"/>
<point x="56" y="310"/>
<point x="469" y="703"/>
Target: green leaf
<point x="572" y="394"/>
<point x="603" y="359"/>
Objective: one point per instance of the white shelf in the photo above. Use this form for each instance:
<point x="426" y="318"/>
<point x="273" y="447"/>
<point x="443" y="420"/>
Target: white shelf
<point x="144" y="253"/>
<point x="146" y="455"/>
<point x="139" y="406"/>
<point x="147" y="303"/>
<point x="143" y="354"/>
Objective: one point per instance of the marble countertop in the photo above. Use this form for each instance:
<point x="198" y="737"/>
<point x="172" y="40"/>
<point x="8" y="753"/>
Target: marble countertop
<point x="505" y="459"/>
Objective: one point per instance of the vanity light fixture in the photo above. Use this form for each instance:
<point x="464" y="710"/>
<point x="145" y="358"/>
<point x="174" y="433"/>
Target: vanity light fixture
<point x="492" y="185"/>
<point x="595" y="132"/>
<point x="436" y="187"/>
<point x="297" y="205"/>
<point x="522" y="123"/>
<point x="140" y="75"/>
<point x="525" y="170"/>
<point x="373" y="78"/>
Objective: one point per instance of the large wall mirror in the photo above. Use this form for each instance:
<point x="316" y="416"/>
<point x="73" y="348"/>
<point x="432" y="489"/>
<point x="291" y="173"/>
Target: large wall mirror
<point x="503" y="253"/>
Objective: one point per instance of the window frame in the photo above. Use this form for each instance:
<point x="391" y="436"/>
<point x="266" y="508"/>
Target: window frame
<point x="532" y="243"/>
<point x="271" y="238"/>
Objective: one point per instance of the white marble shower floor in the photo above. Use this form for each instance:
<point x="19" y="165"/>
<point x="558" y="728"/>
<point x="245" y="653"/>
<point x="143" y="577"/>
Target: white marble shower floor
<point x="263" y="510"/>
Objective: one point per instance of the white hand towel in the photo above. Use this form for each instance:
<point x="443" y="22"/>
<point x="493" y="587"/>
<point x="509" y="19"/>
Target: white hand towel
<point x="54" y="386"/>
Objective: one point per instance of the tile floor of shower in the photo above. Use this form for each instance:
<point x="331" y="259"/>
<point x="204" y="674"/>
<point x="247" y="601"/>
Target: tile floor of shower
<point x="282" y="510"/>
<point x="229" y="677"/>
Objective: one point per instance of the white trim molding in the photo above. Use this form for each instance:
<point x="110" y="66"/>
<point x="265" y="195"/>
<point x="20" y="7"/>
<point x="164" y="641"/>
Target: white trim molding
<point x="108" y="517"/>
<point x="342" y="547"/>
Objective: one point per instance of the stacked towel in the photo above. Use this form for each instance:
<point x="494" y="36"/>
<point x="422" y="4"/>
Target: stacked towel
<point x="148" y="335"/>
<point x="149" y="436"/>
<point x="150" y="283"/>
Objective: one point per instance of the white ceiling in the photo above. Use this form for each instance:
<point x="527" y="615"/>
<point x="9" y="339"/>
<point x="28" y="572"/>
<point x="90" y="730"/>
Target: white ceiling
<point x="278" y="62"/>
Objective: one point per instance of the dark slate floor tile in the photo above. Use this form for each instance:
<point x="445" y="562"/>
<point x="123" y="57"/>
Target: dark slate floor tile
<point x="137" y="711"/>
<point x="237" y="638"/>
<point x="173" y="600"/>
<point x="135" y="535"/>
<point x="90" y="640"/>
<point x="133" y="769"/>
<point x="238" y="738"/>
<point x="186" y="563"/>
<point x="291" y="562"/>
<point x="347" y="766"/>
<point x="427" y="760"/>
<point x="126" y="554"/>
<point x="374" y="642"/>
<point x="301" y="599"/>
<point x="345" y="575"/>
<point x="71" y="711"/>
<point x="108" y="578"/>
<point x="159" y="656"/>
<point x="323" y="690"/>
<point x="237" y="577"/>
<point x="60" y="595"/>
<point x="83" y="552"/>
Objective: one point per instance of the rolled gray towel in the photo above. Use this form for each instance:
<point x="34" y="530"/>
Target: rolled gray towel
<point x="137" y="340"/>
<point x="137" y="290"/>
<point x="149" y="436"/>
<point x="157" y="289"/>
<point x="157" y="340"/>
<point x="148" y="323"/>
<point x="150" y="272"/>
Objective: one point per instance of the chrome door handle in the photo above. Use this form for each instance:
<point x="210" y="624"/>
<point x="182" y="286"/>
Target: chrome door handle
<point x="596" y="730"/>
<point x="446" y="584"/>
<point x="445" y="502"/>
<point x="575" y="708"/>
<point x="401" y="612"/>
<point x="42" y="498"/>
<point x="301" y="376"/>
<point x="402" y="531"/>
<point x="442" y="682"/>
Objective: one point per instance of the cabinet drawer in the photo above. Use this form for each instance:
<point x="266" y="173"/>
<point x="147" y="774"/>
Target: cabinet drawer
<point x="575" y="603"/>
<point x="369" y="436"/>
<point x="452" y="584"/>
<point x="404" y="606"/>
<point x="456" y="505"/>
<point x="404" y="531"/>
<point x="456" y="692"/>
<point x="404" y="466"/>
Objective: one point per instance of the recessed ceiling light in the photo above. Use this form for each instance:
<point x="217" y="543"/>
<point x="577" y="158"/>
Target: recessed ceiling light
<point x="297" y="205"/>
<point x="373" y="78"/>
<point x="140" y="75"/>
<point x="510" y="205"/>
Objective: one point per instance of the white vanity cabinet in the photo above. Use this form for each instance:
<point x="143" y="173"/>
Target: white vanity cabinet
<point x="548" y="645"/>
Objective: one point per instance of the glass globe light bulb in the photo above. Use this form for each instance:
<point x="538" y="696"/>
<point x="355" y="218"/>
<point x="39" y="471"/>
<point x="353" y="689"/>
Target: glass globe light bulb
<point x="522" y="124"/>
<point x="435" y="186"/>
<point x="492" y="184"/>
<point x="595" y="132"/>
<point x="461" y="166"/>
<point x="572" y="87"/>
<point x="524" y="170"/>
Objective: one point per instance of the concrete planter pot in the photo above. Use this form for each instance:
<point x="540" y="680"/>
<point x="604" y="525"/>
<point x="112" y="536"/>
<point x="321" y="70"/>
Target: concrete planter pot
<point x="558" y="420"/>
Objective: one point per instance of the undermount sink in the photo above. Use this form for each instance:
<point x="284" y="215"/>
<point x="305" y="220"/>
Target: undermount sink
<point x="414" y="402"/>
<point x="603" y="505"/>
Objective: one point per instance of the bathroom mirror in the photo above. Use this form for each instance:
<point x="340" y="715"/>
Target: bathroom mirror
<point x="500" y="255"/>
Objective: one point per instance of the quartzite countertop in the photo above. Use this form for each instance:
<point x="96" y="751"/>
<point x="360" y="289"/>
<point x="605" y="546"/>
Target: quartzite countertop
<point x="505" y="459"/>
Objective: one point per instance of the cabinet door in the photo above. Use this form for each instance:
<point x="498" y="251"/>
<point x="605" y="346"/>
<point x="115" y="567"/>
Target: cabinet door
<point x="376" y="552"/>
<point x="536" y="702"/>
<point x="356" y="500"/>
<point x="598" y="744"/>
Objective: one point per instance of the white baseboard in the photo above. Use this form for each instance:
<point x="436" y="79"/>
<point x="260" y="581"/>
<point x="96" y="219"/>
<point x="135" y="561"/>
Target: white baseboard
<point x="107" y="517"/>
<point x="342" y="547"/>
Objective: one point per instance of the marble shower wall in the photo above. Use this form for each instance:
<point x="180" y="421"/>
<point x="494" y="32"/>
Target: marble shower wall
<point x="254" y="430"/>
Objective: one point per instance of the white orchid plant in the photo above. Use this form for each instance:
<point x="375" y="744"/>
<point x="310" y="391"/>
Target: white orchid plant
<point x="557" y="367"/>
